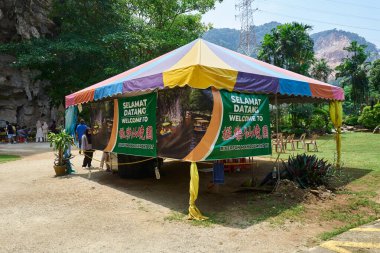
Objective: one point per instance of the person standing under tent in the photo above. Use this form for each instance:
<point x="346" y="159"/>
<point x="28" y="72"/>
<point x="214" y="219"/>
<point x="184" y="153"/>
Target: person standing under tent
<point x="39" y="134"/>
<point x="105" y="160"/>
<point x="45" y="129"/>
<point x="80" y="130"/>
<point x="86" y="147"/>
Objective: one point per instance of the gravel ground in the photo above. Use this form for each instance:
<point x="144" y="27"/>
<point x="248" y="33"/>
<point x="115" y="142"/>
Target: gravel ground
<point x="43" y="213"/>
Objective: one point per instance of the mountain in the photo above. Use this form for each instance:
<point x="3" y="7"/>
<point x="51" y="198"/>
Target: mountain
<point x="327" y="44"/>
<point x="229" y="38"/>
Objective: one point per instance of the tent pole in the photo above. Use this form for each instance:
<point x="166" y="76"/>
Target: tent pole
<point x="275" y="103"/>
<point x="278" y="157"/>
<point x="336" y="112"/>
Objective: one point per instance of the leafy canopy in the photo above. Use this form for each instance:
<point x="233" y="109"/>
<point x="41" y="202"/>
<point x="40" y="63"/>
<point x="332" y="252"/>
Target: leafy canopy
<point x="374" y="79"/>
<point x="353" y="72"/>
<point x="96" y="39"/>
<point x="288" y="46"/>
<point x="321" y="70"/>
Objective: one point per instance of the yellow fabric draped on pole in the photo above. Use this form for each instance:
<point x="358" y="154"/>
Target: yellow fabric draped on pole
<point x="336" y="113"/>
<point x="194" y="212"/>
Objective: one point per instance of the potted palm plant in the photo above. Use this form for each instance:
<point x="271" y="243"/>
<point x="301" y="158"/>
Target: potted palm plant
<point x="60" y="142"/>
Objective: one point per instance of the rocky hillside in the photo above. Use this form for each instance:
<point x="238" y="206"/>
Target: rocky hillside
<point x="229" y="38"/>
<point x="327" y="44"/>
<point x="23" y="99"/>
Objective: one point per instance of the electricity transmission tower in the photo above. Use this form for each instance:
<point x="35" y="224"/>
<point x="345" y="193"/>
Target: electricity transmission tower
<point x="247" y="42"/>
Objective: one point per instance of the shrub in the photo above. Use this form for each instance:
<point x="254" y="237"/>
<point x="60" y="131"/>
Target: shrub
<point x="351" y="120"/>
<point x="370" y="118"/>
<point x="308" y="170"/>
<point x="318" y="123"/>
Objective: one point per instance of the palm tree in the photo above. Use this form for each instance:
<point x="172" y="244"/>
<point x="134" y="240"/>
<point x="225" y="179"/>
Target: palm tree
<point x="353" y="71"/>
<point x="321" y="70"/>
<point x="288" y="46"/>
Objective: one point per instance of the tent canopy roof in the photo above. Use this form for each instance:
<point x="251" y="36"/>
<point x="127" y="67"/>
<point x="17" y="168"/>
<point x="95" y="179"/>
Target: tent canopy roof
<point x="201" y="64"/>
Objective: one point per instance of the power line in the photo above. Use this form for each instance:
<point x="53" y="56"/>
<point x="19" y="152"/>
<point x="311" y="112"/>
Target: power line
<point x="323" y="22"/>
<point x="328" y="12"/>
<point x="354" y="4"/>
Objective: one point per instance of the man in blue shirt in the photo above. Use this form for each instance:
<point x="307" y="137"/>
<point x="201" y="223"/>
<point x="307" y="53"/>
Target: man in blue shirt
<point x="81" y="129"/>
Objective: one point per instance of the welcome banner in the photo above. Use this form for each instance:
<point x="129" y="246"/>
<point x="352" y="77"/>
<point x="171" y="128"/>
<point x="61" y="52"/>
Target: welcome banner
<point x="245" y="127"/>
<point x="136" y="130"/>
<point x="192" y="125"/>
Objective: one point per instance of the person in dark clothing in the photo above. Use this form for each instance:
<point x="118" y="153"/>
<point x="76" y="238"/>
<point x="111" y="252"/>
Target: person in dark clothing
<point x="86" y="147"/>
<point x="10" y="133"/>
<point x="53" y="127"/>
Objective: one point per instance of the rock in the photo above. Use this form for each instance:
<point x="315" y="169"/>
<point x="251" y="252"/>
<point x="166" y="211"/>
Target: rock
<point x="322" y="193"/>
<point x="23" y="99"/>
<point x="25" y="19"/>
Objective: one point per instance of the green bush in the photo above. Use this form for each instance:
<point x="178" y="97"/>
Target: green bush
<point x="308" y="170"/>
<point x="370" y="118"/>
<point x="317" y="123"/>
<point x="351" y="120"/>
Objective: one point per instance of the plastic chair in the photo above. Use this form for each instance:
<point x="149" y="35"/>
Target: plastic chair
<point x="290" y="140"/>
<point x="313" y="142"/>
<point x="278" y="143"/>
<point x="302" y="141"/>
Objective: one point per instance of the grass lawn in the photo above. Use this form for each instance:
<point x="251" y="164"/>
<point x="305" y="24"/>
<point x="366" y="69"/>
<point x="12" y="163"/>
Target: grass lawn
<point x="361" y="160"/>
<point x="359" y="150"/>
<point x="8" y="158"/>
<point x="352" y="207"/>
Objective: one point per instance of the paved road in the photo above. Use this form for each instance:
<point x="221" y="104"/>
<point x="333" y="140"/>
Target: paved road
<point x="362" y="239"/>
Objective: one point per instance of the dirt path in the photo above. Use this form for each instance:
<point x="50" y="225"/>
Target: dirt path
<point x="42" y="213"/>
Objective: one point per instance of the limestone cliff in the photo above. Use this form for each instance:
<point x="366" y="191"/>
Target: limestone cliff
<point x="330" y="45"/>
<point x="23" y="99"/>
<point x="25" y="19"/>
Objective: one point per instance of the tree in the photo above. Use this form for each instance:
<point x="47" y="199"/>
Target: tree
<point x="374" y="78"/>
<point x="321" y="70"/>
<point x="99" y="38"/>
<point x="288" y="46"/>
<point x="353" y="71"/>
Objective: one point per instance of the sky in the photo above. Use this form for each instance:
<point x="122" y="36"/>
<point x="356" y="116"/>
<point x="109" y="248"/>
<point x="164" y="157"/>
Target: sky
<point x="361" y="17"/>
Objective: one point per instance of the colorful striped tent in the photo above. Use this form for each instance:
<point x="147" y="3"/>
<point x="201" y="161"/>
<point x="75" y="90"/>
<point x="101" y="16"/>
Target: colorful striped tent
<point x="201" y="64"/>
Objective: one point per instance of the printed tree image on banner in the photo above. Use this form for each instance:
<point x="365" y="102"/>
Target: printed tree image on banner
<point x="136" y="132"/>
<point x="245" y="127"/>
<point x="182" y="120"/>
<point x="101" y="123"/>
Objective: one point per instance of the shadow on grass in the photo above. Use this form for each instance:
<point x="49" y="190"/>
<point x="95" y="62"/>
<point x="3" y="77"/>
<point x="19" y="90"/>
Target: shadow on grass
<point x="355" y="173"/>
<point x="226" y="205"/>
<point x="348" y="175"/>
